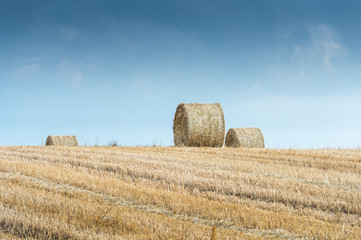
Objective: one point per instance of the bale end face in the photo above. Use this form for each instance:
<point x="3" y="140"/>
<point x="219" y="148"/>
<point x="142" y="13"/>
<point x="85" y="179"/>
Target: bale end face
<point x="245" y="138"/>
<point x="70" y="141"/>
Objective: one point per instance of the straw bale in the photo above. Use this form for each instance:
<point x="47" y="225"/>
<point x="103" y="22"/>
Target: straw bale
<point x="245" y="138"/>
<point x="61" y="141"/>
<point x="199" y="125"/>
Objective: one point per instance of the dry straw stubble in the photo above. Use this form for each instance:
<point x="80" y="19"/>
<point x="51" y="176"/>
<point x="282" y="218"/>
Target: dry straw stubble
<point x="199" y="125"/>
<point x="244" y="137"/>
<point x="70" y="141"/>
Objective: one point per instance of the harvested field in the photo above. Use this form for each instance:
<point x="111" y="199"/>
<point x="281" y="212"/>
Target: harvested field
<point x="179" y="193"/>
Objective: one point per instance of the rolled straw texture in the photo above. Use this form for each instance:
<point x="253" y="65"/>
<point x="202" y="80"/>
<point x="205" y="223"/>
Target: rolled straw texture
<point x="245" y="138"/>
<point x="70" y="141"/>
<point x="199" y="125"/>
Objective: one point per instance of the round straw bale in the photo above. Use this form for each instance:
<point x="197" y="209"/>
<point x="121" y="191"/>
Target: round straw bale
<point x="244" y="137"/>
<point x="61" y="141"/>
<point x="199" y="125"/>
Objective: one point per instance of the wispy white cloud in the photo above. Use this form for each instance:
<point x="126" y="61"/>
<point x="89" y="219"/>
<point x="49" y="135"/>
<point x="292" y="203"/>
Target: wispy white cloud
<point x="151" y="37"/>
<point x="319" y="51"/>
<point x="72" y="72"/>
<point x="63" y="64"/>
<point x="315" y="55"/>
<point x="324" y="44"/>
<point x="69" y="33"/>
<point x="26" y="70"/>
<point x="77" y="77"/>
<point x="65" y="33"/>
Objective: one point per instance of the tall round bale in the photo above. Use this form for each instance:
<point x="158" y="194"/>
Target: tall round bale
<point x="199" y="125"/>
<point x="244" y="137"/>
<point x="70" y="141"/>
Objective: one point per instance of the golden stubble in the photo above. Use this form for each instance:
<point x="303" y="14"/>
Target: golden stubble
<point x="152" y="192"/>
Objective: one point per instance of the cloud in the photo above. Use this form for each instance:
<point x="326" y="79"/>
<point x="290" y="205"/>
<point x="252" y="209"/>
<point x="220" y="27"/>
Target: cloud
<point x="314" y="56"/>
<point x="26" y="70"/>
<point x="320" y="50"/>
<point x="77" y="77"/>
<point x="151" y="39"/>
<point x="257" y="87"/>
<point x="325" y="43"/>
<point x="69" y="71"/>
<point x="65" y="33"/>
<point x="68" y="33"/>
<point x="323" y="47"/>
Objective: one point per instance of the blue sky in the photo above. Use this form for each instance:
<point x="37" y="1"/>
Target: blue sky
<point x="116" y="70"/>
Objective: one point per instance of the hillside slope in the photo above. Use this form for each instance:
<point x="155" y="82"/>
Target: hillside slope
<point x="179" y="193"/>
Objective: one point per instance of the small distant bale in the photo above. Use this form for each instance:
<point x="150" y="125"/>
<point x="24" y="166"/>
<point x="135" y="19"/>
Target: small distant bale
<point x="70" y="141"/>
<point x="244" y="138"/>
<point x="199" y="125"/>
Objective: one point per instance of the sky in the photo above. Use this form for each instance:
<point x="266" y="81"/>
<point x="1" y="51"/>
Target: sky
<point x="116" y="70"/>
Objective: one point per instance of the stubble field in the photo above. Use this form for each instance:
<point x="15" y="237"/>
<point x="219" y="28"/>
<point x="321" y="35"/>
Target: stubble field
<point x="179" y="193"/>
